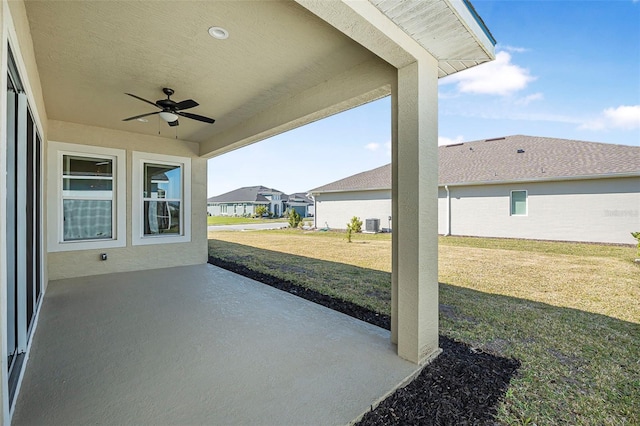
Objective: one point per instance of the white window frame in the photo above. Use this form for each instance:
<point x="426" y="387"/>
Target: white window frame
<point x="137" y="199"/>
<point x="526" y="203"/>
<point x="55" y="231"/>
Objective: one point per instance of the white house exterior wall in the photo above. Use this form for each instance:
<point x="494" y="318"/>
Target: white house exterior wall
<point x="337" y="208"/>
<point x="442" y="212"/>
<point x="238" y="209"/>
<point x="598" y="210"/>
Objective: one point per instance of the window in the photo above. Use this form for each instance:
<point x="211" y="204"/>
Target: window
<point x="89" y="194"/>
<point x="161" y="199"/>
<point x="518" y="203"/>
<point x="87" y="197"/>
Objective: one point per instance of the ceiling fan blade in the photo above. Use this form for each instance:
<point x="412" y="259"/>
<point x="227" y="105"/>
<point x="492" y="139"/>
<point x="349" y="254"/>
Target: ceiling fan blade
<point x="174" y="123"/>
<point x="141" y="115"/>
<point x="142" y="99"/>
<point x="189" y="103"/>
<point x="196" y="117"/>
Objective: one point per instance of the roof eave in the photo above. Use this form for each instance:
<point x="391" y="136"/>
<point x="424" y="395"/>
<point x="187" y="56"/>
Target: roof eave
<point x="480" y="33"/>
<point x="236" y="202"/>
<point x="549" y="179"/>
<point x="314" y="192"/>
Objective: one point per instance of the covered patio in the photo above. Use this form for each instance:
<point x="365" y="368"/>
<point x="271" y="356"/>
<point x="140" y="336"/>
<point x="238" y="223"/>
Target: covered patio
<point x="199" y="345"/>
<point x="102" y="182"/>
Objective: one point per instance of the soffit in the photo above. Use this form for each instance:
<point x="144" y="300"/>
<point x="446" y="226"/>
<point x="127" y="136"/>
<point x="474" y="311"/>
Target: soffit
<point x="449" y="30"/>
<point x="90" y="53"/>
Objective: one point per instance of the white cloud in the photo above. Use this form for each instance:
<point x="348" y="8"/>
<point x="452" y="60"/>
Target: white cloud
<point x="443" y="140"/>
<point x="625" y="117"/>
<point x="385" y="148"/>
<point x="530" y="98"/>
<point x="514" y="49"/>
<point x="500" y="77"/>
<point x="372" y="146"/>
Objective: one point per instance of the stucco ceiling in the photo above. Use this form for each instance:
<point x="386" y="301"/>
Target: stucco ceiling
<point x="90" y="53"/>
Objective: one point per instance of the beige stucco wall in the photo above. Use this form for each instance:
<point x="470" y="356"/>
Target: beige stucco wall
<point x="337" y="208"/>
<point x="599" y="210"/>
<point x="131" y="258"/>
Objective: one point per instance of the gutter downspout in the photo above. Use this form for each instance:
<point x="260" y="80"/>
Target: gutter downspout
<point x="448" y="230"/>
<point x="315" y="213"/>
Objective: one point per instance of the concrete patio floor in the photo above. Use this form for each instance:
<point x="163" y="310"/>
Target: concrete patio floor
<point x="199" y="345"/>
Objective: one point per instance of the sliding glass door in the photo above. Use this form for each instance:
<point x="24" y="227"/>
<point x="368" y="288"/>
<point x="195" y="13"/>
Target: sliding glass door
<point x="24" y="242"/>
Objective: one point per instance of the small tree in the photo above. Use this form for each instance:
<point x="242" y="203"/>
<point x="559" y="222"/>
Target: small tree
<point x="260" y="211"/>
<point x="636" y="235"/>
<point x="294" y="218"/>
<point x="354" y="226"/>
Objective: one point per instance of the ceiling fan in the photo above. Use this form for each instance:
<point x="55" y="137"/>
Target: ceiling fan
<point x="170" y="109"/>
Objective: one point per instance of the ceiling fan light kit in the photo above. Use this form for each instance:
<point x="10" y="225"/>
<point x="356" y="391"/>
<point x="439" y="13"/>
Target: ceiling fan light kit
<point x="168" y="116"/>
<point x="170" y="110"/>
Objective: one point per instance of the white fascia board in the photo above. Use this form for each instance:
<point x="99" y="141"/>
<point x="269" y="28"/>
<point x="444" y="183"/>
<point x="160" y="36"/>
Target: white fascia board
<point x="236" y="202"/>
<point x="479" y="32"/>
<point x="536" y="180"/>
<point x="335" y="191"/>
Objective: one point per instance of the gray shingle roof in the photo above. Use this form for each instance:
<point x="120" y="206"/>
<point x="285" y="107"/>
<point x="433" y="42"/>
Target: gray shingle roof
<point x="379" y="178"/>
<point x="512" y="158"/>
<point x="247" y="194"/>
<point x="299" y="197"/>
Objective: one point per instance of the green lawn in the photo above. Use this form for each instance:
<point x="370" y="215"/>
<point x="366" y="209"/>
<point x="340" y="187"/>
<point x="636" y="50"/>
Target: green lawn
<point x="568" y="312"/>
<point x="232" y="220"/>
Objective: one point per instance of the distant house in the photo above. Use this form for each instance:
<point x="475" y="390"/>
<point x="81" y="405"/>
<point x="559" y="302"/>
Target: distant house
<point x="244" y="201"/>
<point x="301" y="203"/>
<point x="365" y="195"/>
<point x="511" y="187"/>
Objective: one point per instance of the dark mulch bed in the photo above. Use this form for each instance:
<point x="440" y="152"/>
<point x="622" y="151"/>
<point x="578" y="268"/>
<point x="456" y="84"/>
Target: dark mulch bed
<point x="461" y="387"/>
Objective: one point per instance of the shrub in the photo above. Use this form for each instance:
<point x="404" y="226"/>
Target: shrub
<point x="294" y="218"/>
<point x="354" y="226"/>
<point x="260" y="211"/>
<point x="636" y="235"/>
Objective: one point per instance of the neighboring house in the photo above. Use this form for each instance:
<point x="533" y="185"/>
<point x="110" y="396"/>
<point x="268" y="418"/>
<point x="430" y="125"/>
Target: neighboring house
<point x="244" y="201"/>
<point x="301" y="203"/>
<point x="78" y="193"/>
<point x="366" y="195"/>
<point x="512" y="187"/>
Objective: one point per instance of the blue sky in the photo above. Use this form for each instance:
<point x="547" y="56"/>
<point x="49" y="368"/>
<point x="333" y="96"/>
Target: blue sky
<point x="566" y="69"/>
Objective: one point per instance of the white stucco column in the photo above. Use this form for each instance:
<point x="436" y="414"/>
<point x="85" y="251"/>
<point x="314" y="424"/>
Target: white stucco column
<point x="415" y="206"/>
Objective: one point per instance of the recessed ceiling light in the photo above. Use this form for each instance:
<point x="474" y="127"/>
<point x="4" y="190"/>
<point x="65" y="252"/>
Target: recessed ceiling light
<point x="219" y="33"/>
<point x="143" y="120"/>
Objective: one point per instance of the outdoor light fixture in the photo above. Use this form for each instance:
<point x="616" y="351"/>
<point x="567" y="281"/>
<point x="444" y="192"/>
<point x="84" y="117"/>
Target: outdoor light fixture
<point x="168" y="116"/>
